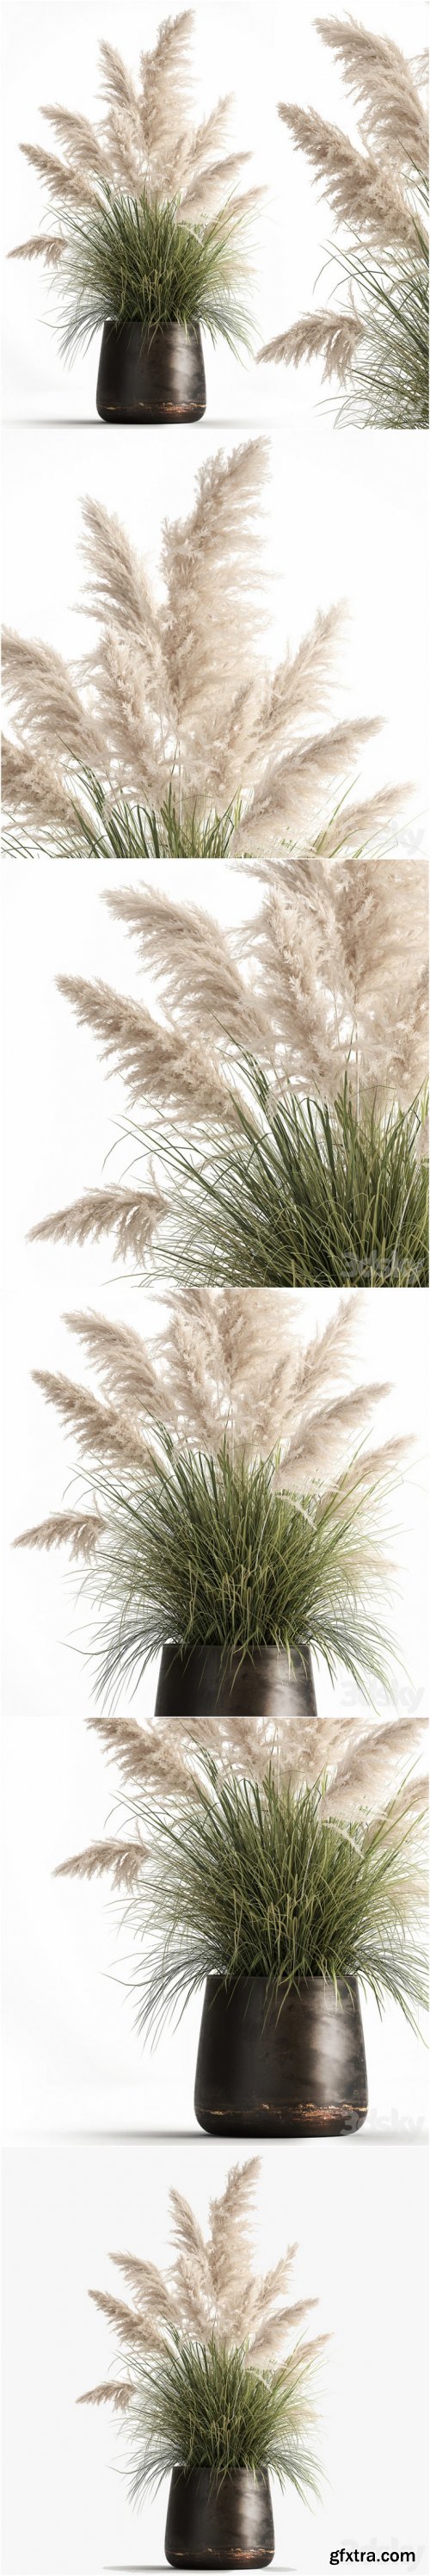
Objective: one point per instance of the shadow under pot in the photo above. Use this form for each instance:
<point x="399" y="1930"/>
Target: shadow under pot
<point x="265" y="1685"/>
<point x="228" y="2526"/>
<point x="144" y="378"/>
<point x="290" y="2068"/>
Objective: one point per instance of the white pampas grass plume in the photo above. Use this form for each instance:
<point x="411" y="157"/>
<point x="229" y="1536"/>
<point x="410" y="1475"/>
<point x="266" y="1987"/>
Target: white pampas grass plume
<point x="131" y="2329"/>
<point x="46" y="246"/>
<point x="170" y="700"/>
<point x="386" y="88"/>
<point x="335" y="337"/>
<point x="361" y="190"/>
<point x="97" y="1427"/>
<point x="121" y="1861"/>
<point x="131" y="1217"/>
<point x="110" y="2392"/>
<point x="80" y="1531"/>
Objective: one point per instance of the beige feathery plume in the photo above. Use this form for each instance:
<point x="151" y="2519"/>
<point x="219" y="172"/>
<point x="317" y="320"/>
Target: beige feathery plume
<point x="146" y="137"/>
<point x="130" y="1216"/>
<point x="40" y="685"/>
<point x="132" y="2329"/>
<point x="367" y="1765"/>
<point x="117" y="586"/>
<point x="110" y="2392"/>
<point x="172" y="700"/>
<point x="119" y="1860"/>
<point x="268" y="2344"/>
<point x="80" y="1531"/>
<point x="378" y="195"/>
<point x="191" y="956"/>
<point x="152" y="2289"/>
<point x="79" y="141"/>
<point x="384" y="83"/>
<point x="144" y="1756"/>
<point x="46" y="246"/>
<point x="32" y="785"/>
<point x="408" y="1807"/>
<point x="360" y="189"/>
<point x="331" y="336"/>
<point x="151" y="1057"/>
<point x="98" y="1428"/>
<point x="208" y="2290"/>
<point x="124" y="1366"/>
<point x="67" y="186"/>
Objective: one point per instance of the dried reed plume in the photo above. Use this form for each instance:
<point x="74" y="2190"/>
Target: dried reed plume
<point x="175" y="704"/>
<point x="377" y="343"/>
<point x="146" y="141"/>
<point x="209" y="2291"/>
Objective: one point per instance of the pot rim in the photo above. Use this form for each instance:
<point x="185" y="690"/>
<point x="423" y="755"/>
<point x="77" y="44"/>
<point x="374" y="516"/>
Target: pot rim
<point x="183" y="330"/>
<point x="349" y="1984"/>
<point x="231" y="2475"/>
<point x="277" y="1654"/>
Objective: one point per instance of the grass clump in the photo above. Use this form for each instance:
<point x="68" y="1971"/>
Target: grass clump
<point x="389" y="383"/>
<point x="306" y="1194"/>
<point x="119" y="827"/>
<point x="135" y="260"/>
<point x="205" y="2406"/>
<point x="211" y="1553"/>
<point x="258" y="1880"/>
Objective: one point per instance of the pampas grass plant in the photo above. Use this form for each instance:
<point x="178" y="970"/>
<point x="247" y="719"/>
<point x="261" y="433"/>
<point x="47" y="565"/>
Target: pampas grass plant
<point x="215" y="2370"/>
<point x="149" y="216"/>
<point x="213" y="1555"/>
<point x="376" y="344"/>
<point x="303" y="1195"/>
<point x="286" y="1065"/>
<point x="133" y="259"/>
<point x="173" y="736"/>
<point x="282" y="1876"/>
<point x="231" y="1490"/>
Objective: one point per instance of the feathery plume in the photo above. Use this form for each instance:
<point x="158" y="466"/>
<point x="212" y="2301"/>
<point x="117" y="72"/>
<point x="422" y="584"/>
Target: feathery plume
<point x="176" y="717"/>
<point x="377" y="345"/>
<point x="130" y="1216"/>
<point x="79" y="1531"/>
<point x="121" y="1861"/>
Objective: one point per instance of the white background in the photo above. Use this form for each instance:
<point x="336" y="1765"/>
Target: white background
<point x="361" y="2230"/>
<point x="262" y="54"/>
<point x="74" y="2054"/>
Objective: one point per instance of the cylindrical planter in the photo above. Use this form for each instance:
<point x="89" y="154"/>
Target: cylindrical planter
<point x="291" y="2068"/>
<point x="160" y="378"/>
<point x="264" y="1685"/>
<point x="228" y="2526"/>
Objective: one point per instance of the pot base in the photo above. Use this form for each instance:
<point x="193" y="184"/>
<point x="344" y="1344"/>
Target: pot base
<point x="150" y="381"/>
<point x="338" y="2121"/>
<point x="289" y="2068"/>
<point x="231" y="2526"/>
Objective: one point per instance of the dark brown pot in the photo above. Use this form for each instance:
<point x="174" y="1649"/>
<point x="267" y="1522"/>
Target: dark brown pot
<point x="159" y="379"/>
<point x="265" y="1685"/>
<point x="231" y="2526"/>
<point x="294" y="2069"/>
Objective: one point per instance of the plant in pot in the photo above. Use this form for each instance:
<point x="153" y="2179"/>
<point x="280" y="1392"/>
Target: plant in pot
<point x="148" y="245"/>
<point x="375" y="343"/>
<point x="215" y="2382"/>
<point x="234" y="1524"/>
<point x="173" y="735"/>
<point x="283" y="1888"/>
<point x="286" y="1064"/>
